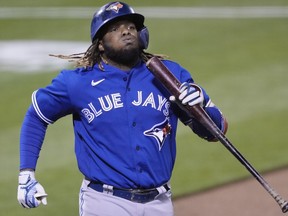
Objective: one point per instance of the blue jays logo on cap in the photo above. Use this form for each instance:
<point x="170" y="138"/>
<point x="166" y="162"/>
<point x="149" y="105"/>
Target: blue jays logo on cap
<point x="115" y="7"/>
<point x="159" y="132"/>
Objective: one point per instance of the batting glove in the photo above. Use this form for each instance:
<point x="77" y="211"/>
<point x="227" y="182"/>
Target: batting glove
<point x="190" y="94"/>
<point x="30" y="193"/>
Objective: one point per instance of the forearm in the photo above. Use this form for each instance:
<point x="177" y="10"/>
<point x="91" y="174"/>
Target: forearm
<point x="217" y="117"/>
<point x="32" y="134"/>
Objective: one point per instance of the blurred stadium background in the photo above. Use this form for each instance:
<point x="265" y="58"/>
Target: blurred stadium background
<point x="239" y="56"/>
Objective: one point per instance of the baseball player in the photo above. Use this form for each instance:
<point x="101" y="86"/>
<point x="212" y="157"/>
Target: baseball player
<point x="124" y="121"/>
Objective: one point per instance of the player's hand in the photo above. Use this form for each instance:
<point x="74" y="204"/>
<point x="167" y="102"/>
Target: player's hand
<point x="190" y="94"/>
<point x="30" y="193"/>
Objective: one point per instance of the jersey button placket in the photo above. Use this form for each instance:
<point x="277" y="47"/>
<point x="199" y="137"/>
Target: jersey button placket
<point x="140" y="170"/>
<point x="137" y="148"/>
<point x="125" y="80"/>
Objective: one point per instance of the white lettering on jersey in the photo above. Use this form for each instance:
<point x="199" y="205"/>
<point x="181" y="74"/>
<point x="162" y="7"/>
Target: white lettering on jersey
<point x="116" y="98"/>
<point x="114" y="101"/>
<point x="97" y="113"/>
<point x="162" y="101"/>
<point x="138" y="103"/>
<point x="150" y="100"/>
<point x="166" y="110"/>
<point x="109" y="103"/>
<point x="88" y="115"/>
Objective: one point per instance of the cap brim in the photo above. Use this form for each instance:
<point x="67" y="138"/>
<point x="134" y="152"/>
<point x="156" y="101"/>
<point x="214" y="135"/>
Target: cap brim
<point x="137" y="19"/>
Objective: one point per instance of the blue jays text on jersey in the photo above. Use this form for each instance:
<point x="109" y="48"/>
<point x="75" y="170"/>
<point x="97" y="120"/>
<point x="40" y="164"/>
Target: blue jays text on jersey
<point x="124" y="126"/>
<point x="115" y="101"/>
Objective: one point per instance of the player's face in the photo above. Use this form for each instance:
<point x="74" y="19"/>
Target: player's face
<point x="120" y="42"/>
<point x="122" y="35"/>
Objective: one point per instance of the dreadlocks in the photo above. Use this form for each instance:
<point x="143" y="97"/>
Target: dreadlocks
<point x="85" y="59"/>
<point x="93" y="56"/>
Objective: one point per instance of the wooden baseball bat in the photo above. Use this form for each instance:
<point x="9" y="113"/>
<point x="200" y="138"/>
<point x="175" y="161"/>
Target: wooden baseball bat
<point x="172" y="84"/>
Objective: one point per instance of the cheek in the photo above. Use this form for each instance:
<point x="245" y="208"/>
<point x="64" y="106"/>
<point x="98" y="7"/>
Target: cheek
<point x="110" y="41"/>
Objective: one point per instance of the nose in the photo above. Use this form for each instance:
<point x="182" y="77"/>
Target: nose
<point x="125" y="30"/>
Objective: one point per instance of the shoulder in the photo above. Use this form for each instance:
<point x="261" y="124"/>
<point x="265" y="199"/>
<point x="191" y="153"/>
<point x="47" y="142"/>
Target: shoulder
<point x="174" y="66"/>
<point x="69" y="77"/>
<point x="171" y="64"/>
<point x="76" y="71"/>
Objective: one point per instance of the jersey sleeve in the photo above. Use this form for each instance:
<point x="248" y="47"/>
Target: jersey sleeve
<point x="216" y="115"/>
<point x="32" y="134"/>
<point x="48" y="105"/>
<point x="53" y="101"/>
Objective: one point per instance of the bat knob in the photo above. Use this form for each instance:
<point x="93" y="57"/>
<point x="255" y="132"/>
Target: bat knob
<point x="285" y="207"/>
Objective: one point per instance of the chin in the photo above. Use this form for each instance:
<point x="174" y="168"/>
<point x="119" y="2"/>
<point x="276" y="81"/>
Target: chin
<point x="127" y="54"/>
<point x="130" y="54"/>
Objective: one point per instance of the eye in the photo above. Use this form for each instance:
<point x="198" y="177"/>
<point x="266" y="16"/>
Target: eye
<point x="132" y="27"/>
<point x="113" y="29"/>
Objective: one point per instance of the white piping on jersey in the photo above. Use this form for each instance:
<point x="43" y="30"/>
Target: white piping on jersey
<point x="38" y="111"/>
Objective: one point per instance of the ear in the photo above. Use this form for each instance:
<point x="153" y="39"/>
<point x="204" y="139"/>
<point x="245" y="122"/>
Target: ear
<point x="100" y="46"/>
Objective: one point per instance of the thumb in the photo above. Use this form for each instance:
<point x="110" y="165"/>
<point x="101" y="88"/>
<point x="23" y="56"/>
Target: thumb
<point x="44" y="200"/>
<point x="41" y="197"/>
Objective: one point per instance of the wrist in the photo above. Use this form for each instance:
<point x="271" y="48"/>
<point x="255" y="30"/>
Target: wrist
<point x="27" y="169"/>
<point x="25" y="176"/>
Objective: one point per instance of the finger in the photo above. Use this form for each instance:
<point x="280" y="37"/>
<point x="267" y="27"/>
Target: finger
<point x="182" y="95"/>
<point x="194" y="102"/>
<point x="183" y="87"/>
<point x="188" y="93"/>
<point x="191" y="97"/>
<point x="185" y="91"/>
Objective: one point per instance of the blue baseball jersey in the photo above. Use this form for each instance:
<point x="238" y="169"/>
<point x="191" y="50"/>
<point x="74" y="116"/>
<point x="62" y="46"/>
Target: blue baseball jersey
<point x="124" y="124"/>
